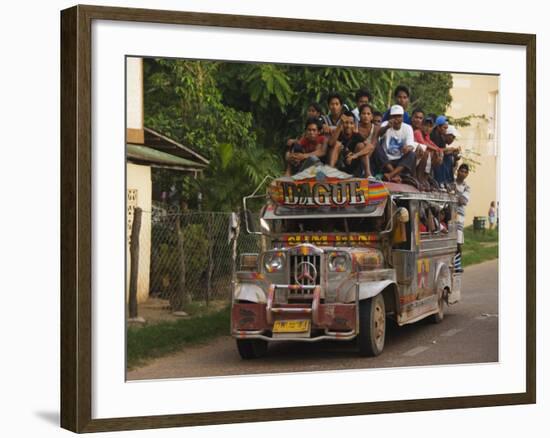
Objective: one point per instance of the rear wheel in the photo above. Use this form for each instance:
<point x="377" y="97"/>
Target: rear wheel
<point x="372" y="326"/>
<point x="436" y="318"/>
<point x="251" y="348"/>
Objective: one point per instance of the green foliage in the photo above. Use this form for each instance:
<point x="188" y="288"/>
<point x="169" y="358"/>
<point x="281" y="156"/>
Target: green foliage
<point x="471" y="158"/>
<point x="267" y="82"/>
<point x="430" y="91"/>
<point x="233" y="173"/>
<point x="466" y="121"/>
<point x="183" y="101"/>
<point x="479" y="246"/>
<point x="195" y="248"/>
<point x="240" y="115"/>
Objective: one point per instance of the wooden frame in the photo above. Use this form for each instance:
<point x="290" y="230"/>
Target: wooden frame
<point x="76" y="239"/>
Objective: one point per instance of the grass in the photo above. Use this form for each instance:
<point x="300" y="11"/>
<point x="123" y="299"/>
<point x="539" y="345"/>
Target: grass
<point x="479" y="246"/>
<point x="155" y="340"/>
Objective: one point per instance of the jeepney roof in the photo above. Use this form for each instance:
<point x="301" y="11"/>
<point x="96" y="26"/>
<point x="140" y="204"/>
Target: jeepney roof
<point x="406" y="191"/>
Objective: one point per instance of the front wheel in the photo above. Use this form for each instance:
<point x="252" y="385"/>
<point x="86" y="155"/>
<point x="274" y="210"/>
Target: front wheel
<point x="372" y="326"/>
<point x="252" y="348"/>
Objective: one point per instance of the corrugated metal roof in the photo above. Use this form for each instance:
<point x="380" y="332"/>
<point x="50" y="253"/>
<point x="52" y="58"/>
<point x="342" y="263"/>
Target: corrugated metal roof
<point x="163" y="143"/>
<point x="145" y="154"/>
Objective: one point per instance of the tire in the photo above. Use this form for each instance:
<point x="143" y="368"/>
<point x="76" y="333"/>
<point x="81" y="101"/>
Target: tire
<point x="438" y="317"/>
<point x="372" y="326"/>
<point x="251" y="348"/>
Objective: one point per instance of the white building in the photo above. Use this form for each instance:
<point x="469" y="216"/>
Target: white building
<point x="146" y="149"/>
<point x="478" y="95"/>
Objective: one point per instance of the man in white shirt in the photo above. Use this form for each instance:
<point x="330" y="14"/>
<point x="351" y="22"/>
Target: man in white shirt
<point x="395" y="152"/>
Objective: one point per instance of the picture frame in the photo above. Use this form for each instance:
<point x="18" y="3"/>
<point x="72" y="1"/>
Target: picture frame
<point x="77" y="238"/>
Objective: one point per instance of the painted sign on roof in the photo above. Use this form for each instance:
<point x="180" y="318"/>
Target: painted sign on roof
<point x="326" y="187"/>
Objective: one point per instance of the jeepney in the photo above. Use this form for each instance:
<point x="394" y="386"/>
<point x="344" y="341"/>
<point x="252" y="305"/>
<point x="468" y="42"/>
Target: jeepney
<point x="341" y="255"/>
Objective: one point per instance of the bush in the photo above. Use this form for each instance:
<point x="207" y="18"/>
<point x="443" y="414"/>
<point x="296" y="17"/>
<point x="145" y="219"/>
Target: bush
<point x="195" y="246"/>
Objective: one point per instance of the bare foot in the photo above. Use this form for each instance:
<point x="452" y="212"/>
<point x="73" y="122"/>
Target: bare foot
<point x="423" y="184"/>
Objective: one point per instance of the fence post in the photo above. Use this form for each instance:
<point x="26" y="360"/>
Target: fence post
<point x="134" y="263"/>
<point x="182" y="299"/>
<point x="210" y="261"/>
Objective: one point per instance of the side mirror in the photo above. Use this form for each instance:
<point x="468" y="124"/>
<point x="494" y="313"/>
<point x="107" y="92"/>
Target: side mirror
<point x="402" y="215"/>
<point x="249" y="222"/>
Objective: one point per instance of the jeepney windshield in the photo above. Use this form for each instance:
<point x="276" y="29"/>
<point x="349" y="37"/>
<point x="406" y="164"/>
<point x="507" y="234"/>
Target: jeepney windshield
<point x="328" y="225"/>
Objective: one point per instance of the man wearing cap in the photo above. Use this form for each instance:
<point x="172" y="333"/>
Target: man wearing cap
<point x="395" y="152"/>
<point x="450" y="137"/>
<point x="443" y="174"/>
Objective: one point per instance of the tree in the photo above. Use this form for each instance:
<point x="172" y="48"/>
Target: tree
<point x="240" y="115"/>
<point x="430" y="91"/>
<point x="234" y="173"/>
<point x="183" y="101"/>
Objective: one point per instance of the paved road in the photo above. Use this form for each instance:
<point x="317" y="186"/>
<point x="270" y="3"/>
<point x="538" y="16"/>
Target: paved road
<point x="468" y="334"/>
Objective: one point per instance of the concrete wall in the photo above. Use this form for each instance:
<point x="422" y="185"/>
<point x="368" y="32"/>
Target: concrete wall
<point x="478" y="95"/>
<point x="138" y="180"/>
<point x="134" y="100"/>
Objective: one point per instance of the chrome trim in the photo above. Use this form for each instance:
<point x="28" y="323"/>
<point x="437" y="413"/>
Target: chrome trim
<point x="328" y="335"/>
<point x="291" y="310"/>
<point x="292" y="286"/>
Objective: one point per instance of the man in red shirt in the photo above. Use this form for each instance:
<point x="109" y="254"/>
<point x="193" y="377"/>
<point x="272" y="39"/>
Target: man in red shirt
<point x="308" y="150"/>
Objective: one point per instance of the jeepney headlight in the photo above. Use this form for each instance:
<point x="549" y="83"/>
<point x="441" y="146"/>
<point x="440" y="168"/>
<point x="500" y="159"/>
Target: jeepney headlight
<point x="274" y="261"/>
<point x="365" y="261"/>
<point x="338" y="262"/>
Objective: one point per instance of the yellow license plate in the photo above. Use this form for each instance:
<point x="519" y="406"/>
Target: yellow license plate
<point x="296" y="326"/>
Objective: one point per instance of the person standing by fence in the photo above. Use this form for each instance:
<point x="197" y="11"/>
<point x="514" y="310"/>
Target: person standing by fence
<point x="492" y="214"/>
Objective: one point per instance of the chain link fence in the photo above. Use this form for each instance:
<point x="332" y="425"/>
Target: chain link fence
<point x="190" y="256"/>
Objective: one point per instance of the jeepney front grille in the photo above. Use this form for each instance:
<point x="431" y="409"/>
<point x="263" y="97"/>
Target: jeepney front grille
<point x="305" y="270"/>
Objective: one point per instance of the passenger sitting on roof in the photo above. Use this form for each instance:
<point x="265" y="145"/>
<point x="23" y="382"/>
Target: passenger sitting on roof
<point x="450" y="137"/>
<point x="377" y="118"/>
<point x="349" y="150"/>
<point x="335" y="104"/>
<point x="427" y="153"/>
<point x="308" y="150"/>
<point x="313" y="111"/>
<point x="362" y="97"/>
<point x="401" y="96"/>
<point x="394" y="154"/>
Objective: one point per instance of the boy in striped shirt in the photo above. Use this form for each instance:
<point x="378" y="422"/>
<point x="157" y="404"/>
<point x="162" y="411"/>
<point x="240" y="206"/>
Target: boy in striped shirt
<point x="462" y="191"/>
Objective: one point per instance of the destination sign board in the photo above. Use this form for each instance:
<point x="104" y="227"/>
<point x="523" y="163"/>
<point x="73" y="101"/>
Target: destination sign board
<point x="328" y="193"/>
